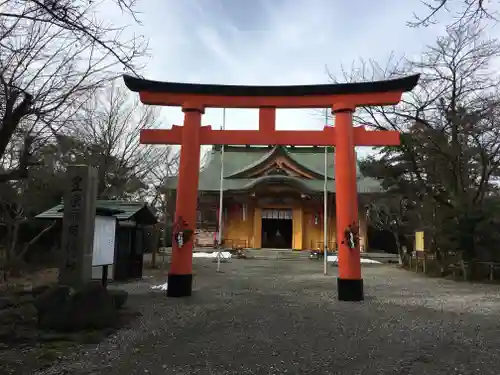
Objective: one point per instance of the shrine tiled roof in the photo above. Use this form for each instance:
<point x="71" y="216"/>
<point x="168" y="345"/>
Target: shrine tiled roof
<point x="241" y="158"/>
<point x="122" y="210"/>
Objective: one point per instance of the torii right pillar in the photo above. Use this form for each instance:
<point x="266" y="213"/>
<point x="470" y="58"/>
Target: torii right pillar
<point x="349" y="282"/>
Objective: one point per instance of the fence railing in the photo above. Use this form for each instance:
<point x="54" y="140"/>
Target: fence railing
<point x="421" y="261"/>
<point x="236" y="244"/>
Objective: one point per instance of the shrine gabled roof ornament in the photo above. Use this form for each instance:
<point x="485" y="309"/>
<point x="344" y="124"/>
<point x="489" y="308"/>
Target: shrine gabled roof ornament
<point x="278" y="158"/>
<point x="289" y="181"/>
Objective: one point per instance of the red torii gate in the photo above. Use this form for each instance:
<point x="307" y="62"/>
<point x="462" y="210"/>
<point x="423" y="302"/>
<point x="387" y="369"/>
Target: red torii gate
<point x="342" y="98"/>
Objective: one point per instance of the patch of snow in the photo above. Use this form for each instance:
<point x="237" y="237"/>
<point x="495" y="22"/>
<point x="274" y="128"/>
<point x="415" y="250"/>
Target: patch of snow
<point x="160" y="287"/>
<point x="223" y="255"/>
<point x="333" y="258"/>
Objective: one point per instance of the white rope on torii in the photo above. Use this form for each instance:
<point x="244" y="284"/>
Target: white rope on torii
<point x="221" y="194"/>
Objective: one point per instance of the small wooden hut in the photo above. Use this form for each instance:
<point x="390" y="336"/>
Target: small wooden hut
<point x="133" y="218"/>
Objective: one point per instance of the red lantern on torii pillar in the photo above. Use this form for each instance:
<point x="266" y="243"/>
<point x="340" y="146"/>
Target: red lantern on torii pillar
<point x="342" y="98"/>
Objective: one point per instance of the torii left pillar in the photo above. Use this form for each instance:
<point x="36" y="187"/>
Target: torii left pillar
<point x="180" y="276"/>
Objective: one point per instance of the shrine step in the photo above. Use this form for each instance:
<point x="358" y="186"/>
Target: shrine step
<point x="281" y="254"/>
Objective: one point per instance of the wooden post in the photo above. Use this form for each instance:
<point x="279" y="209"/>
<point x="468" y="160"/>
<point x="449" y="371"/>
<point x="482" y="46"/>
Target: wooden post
<point x="154" y="250"/>
<point x="180" y="277"/>
<point x="104" y="277"/>
<point x="349" y="282"/>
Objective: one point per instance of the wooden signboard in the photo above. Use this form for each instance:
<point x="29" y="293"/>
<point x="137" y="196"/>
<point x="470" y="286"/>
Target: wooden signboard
<point x="419" y="241"/>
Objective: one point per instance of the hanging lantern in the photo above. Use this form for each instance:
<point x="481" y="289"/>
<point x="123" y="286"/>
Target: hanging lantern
<point x="318" y="217"/>
<point x="244" y="211"/>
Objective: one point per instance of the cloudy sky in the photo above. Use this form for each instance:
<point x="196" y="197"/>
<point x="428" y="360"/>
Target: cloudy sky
<point x="272" y="42"/>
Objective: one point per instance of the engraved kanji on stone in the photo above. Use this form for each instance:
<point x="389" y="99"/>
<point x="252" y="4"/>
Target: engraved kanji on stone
<point x="70" y="253"/>
<point x="76" y="184"/>
<point x="73" y="229"/>
<point x="73" y="216"/>
<point x="76" y="201"/>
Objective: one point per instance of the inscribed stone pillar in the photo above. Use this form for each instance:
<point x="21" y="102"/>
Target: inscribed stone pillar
<point x="78" y="225"/>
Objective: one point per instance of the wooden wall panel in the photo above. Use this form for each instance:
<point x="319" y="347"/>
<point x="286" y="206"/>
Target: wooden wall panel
<point x="257" y="228"/>
<point x="306" y="234"/>
<point x="298" y="229"/>
<point x="237" y="229"/>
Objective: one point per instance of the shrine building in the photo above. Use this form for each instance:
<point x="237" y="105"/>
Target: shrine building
<point x="273" y="197"/>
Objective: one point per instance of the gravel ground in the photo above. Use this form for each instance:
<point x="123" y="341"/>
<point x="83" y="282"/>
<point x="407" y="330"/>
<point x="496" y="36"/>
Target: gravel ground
<point x="279" y="317"/>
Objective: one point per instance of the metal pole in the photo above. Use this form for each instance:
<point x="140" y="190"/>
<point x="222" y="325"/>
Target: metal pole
<point x="325" y="207"/>
<point x="221" y="192"/>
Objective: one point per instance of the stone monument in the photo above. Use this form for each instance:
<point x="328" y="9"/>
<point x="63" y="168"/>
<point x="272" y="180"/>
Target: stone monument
<point x="78" y="303"/>
<point x="75" y="266"/>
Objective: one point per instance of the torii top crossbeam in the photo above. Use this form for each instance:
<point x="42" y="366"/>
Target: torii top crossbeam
<point x="309" y="96"/>
<point x="267" y="99"/>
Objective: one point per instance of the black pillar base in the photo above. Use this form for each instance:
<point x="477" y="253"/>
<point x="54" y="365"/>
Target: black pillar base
<point x="179" y="285"/>
<point x="350" y="290"/>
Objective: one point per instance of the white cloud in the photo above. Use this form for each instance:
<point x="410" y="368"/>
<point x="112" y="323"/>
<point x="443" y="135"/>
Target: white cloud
<point x="272" y="42"/>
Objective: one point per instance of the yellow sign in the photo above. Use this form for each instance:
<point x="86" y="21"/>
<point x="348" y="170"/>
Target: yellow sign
<point x="419" y="241"/>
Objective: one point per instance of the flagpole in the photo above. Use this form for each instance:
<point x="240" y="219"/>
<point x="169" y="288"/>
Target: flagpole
<point x="221" y="192"/>
<point x="325" y="207"/>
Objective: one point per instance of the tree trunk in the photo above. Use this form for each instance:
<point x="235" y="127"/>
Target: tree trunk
<point x="11" y="251"/>
<point x="8" y="241"/>
<point x="16" y="259"/>
<point x="400" y="250"/>
<point x="154" y="249"/>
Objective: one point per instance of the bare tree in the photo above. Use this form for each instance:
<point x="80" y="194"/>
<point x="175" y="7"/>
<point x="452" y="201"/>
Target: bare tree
<point x="464" y="11"/>
<point x="76" y="17"/>
<point x="450" y="143"/>
<point x="53" y="55"/>
<point x="104" y="133"/>
<point x="394" y="212"/>
<point x="451" y="115"/>
<point x="111" y="123"/>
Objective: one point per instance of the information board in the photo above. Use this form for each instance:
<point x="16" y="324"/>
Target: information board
<point x="419" y="241"/>
<point x="104" y="241"/>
